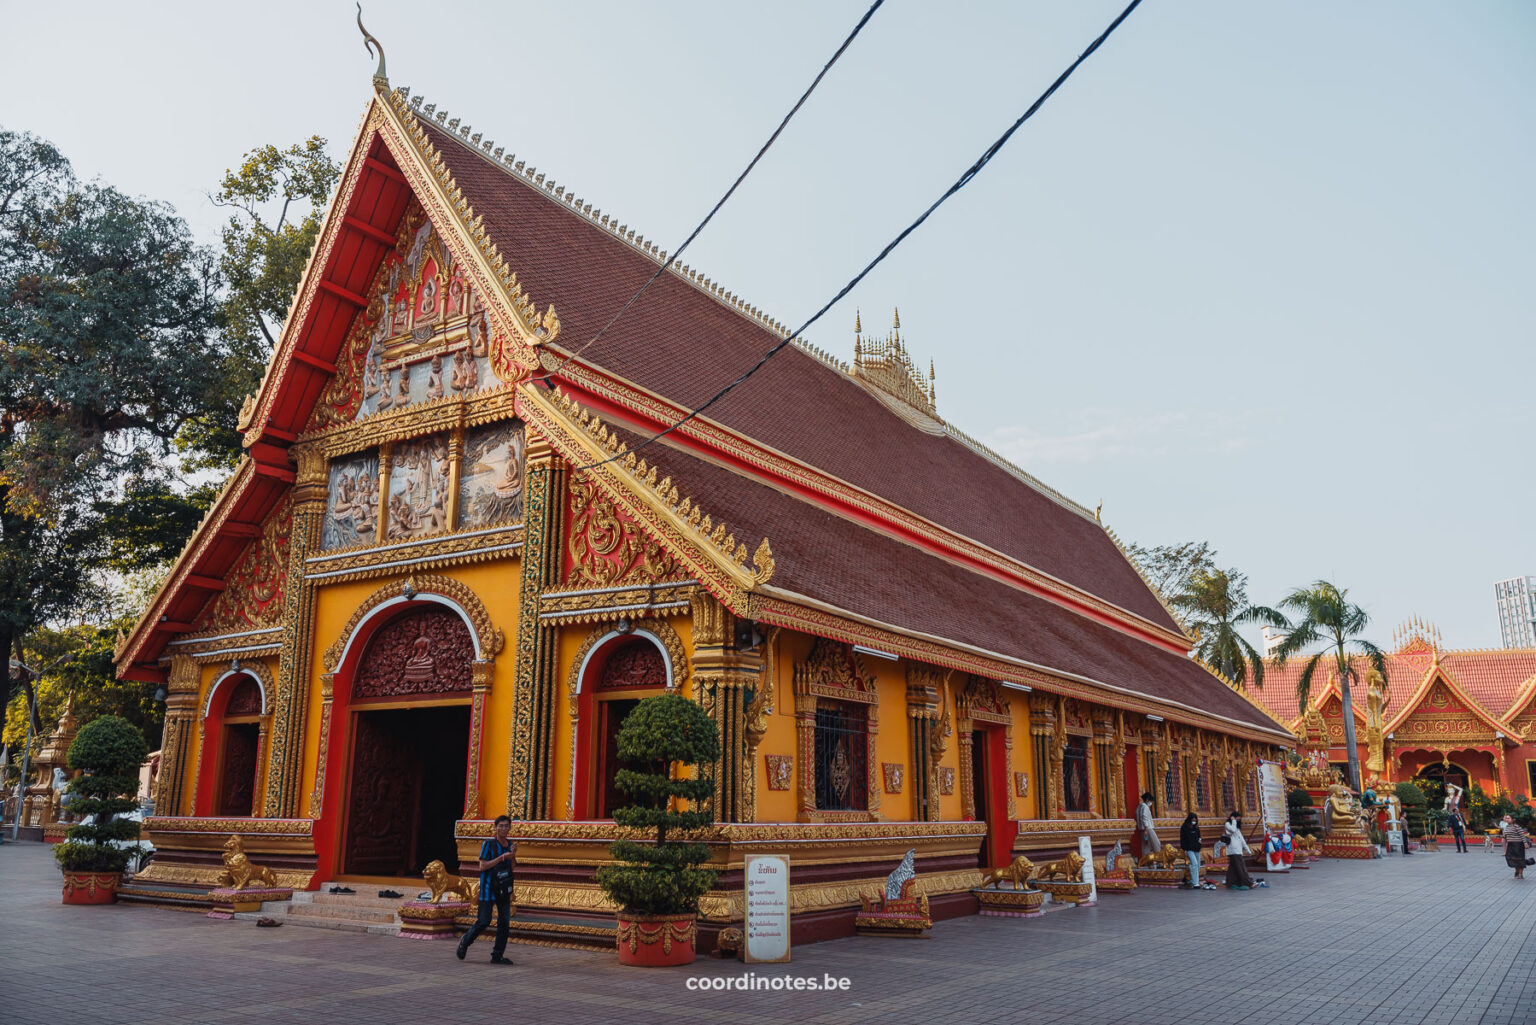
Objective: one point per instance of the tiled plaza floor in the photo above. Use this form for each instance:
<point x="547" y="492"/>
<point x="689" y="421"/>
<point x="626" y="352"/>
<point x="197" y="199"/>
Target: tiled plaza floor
<point x="1437" y="938"/>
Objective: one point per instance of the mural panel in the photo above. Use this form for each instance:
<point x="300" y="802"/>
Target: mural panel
<point x="491" y="482"/>
<point x="418" y="488"/>
<point x="352" y="507"/>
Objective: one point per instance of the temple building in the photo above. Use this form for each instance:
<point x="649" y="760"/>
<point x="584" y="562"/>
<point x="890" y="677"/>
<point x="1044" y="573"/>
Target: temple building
<point x="1463" y="716"/>
<point x="452" y="561"/>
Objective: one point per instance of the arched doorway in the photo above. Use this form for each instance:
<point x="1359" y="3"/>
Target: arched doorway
<point x="230" y="763"/>
<point x="619" y="673"/>
<point x="408" y="705"/>
<point x="1437" y="775"/>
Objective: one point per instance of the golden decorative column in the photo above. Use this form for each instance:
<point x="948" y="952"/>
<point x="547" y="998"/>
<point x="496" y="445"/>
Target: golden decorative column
<point x="480" y="671"/>
<point x="1103" y="741"/>
<point x="386" y="467"/>
<point x="531" y="763"/>
<point x="264" y="730"/>
<point x="1043" y="724"/>
<point x="180" y="712"/>
<point x="285" y="761"/>
<point x="455" y="474"/>
<point x="317" y="795"/>
<point x="723" y="681"/>
<point x="924" y="700"/>
<point x="1117" y="808"/>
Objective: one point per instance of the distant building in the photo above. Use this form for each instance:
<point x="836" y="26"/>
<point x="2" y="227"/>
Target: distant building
<point x="1273" y="638"/>
<point x="1517" y="611"/>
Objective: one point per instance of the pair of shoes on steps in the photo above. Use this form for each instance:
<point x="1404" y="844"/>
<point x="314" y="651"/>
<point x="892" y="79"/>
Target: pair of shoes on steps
<point x="267" y="921"/>
<point x="1262" y="883"/>
<point x="390" y="893"/>
<point x="1207" y="886"/>
<point x="342" y="889"/>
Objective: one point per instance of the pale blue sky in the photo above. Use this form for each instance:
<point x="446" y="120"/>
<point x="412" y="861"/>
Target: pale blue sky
<point x="1260" y="274"/>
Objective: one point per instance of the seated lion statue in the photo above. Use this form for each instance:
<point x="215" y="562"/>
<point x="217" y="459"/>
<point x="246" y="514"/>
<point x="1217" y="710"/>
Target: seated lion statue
<point x="1016" y="872"/>
<point x="442" y="884"/>
<point x="238" y="870"/>
<point x="1165" y="857"/>
<point x="1071" y="867"/>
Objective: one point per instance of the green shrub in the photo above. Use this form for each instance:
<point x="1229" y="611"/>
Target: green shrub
<point x="664" y="877"/>
<point x="1304" y="816"/>
<point x="1412" y="799"/>
<point x="109" y="750"/>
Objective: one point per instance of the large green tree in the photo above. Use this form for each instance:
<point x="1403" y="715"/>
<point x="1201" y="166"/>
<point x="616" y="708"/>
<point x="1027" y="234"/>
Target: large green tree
<point x="109" y="346"/>
<point x="1326" y="616"/>
<point x="1213" y="604"/>
<point x="1169" y="568"/>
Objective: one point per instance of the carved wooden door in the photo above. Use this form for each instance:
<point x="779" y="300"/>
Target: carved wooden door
<point x="383" y="800"/>
<point x="612" y="716"/>
<point x="982" y="790"/>
<point x="237" y="774"/>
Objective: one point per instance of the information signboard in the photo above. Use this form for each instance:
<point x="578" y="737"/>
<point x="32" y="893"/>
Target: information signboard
<point x="767" y="923"/>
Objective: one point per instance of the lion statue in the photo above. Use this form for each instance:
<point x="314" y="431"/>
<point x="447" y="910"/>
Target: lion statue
<point x="1016" y="872"/>
<point x="1071" y="867"/>
<point x="239" y="873"/>
<point x="442" y="884"/>
<point x="1165" y="857"/>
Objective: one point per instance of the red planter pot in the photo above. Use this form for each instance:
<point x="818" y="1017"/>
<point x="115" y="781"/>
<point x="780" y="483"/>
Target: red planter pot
<point x="656" y="941"/>
<point x="91" y="887"/>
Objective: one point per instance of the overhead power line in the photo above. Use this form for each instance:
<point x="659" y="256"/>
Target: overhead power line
<point x="965" y="179"/>
<point x="728" y="192"/>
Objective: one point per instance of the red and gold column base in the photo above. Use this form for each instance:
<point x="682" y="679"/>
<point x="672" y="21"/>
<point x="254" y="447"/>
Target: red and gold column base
<point x="1162" y="876"/>
<point x="91" y="887"/>
<point x="424" y="920"/>
<point x="1010" y="903"/>
<point x="1116" y="882"/>
<point x="227" y="901"/>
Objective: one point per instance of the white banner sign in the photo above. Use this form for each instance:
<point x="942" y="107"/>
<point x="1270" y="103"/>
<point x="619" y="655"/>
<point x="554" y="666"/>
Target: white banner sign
<point x="767" y="885"/>
<point x="1277" y="813"/>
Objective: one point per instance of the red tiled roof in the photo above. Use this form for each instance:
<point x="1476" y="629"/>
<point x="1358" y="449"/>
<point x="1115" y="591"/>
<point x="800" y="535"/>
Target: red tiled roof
<point x="851" y="567"/>
<point x="684" y="345"/>
<point x="1491" y="677"/>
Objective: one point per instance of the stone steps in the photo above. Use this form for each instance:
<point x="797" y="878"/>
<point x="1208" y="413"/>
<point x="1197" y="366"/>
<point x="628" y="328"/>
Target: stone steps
<point x="335" y="912"/>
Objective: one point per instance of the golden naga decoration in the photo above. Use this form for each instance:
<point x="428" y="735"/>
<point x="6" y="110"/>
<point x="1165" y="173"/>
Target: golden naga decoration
<point x="1375" y="703"/>
<point x="1018" y="872"/>
<point x="1070" y="867"/>
<point x="442" y="884"/>
<point x="370" y="43"/>
<point x="239" y="873"/>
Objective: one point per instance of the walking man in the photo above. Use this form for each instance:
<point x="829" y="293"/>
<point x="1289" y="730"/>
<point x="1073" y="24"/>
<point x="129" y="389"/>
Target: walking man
<point x="1146" y="832"/>
<point x="497" y="856"/>
<point x="1458" y="829"/>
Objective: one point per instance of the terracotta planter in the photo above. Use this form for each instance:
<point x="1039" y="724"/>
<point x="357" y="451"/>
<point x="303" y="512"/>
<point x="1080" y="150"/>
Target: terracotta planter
<point x="656" y="941"/>
<point x="91" y="887"/>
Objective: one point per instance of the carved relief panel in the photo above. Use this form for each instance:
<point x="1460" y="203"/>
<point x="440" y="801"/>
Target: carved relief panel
<point x="253" y="597"/>
<point x="424" y="651"/>
<point x="491" y="482"/>
<point x="352" y="503"/>
<point x="418" y="488"/>
<point x="605" y="547"/>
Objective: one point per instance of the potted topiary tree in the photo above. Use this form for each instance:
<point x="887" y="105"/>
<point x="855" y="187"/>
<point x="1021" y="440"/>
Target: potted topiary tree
<point x="657" y="885"/>
<point x="92" y="854"/>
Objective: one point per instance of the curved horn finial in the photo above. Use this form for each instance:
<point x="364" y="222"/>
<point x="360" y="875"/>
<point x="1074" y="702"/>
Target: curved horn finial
<point x="372" y="44"/>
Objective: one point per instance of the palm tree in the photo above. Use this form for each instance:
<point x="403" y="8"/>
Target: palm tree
<point x="1214" y="603"/>
<point x="1327" y="616"/>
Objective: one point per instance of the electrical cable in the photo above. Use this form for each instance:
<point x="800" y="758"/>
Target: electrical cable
<point x="960" y="183"/>
<point x="728" y="193"/>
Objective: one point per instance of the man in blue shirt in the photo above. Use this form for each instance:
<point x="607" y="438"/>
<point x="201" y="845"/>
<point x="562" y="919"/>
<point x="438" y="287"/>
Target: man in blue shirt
<point x="497" y="856"/>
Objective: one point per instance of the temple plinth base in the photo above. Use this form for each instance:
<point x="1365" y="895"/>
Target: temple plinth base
<point x="54" y="832"/>
<point x="1067" y="893"/>
<point x="1116" y="882"/>
<point x="227" y="902"/>
<point x="1010" y="903"/>
<point x="423" y="920"/>
<point x="1162" y="876"/>
<point x="1347" y="845"/>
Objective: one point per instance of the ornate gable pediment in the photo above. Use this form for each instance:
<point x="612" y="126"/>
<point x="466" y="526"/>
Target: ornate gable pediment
<point x="424" y="335"/>
<point x="606" y="547"/>
<point x="832" y="670"/>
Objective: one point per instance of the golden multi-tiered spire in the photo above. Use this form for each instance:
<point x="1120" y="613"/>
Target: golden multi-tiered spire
<point x="885" y="363"/>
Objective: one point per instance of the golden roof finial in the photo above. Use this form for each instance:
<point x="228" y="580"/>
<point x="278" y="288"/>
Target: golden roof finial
<point x="380" y="79"/>
<point x="1098" y="514"/>
<point x="895" y="318"/>
<point x="858" y="324"/>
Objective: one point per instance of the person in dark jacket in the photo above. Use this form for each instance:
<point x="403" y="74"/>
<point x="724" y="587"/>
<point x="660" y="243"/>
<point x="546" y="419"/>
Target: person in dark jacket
<point x="1189" y="842"/>
<point x="1458" y="830"/>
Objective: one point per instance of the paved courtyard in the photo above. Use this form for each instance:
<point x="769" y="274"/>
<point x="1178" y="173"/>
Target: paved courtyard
<point x="1439" y="937"/>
